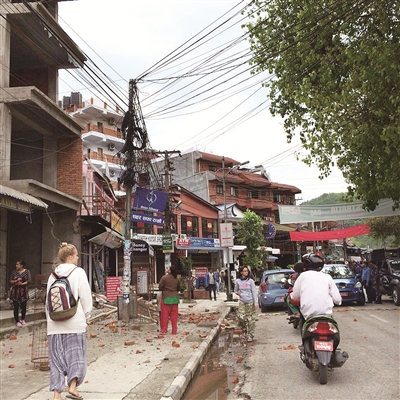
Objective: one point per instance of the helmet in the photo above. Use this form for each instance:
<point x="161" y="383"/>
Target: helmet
<point x="312" y="262"/>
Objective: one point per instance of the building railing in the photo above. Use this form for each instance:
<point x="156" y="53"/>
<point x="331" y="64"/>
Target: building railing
<point x="99" y="205"/>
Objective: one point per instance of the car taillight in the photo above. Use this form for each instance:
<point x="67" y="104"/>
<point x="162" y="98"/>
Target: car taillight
<point x="322" y="328"/>
<point x="263" y="287"/>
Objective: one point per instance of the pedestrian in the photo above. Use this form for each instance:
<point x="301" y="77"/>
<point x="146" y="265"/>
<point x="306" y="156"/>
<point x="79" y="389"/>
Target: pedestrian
<point x="210" y="284"/>
<point x="169" y="286"/>
<point x="217" y="278"/>
<point x="20" y="279"/>
<point x="67" y="339"/>
<point x="376" y="280"/>
<point x="366" y="281"/>
<point x="245" y="288"/>
<point x="222" y="282"/>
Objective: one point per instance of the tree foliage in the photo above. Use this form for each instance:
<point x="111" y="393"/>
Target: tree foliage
<point x="249" y="233"/>
<point x="386" y="229"/>
<point x="335" y="68"/>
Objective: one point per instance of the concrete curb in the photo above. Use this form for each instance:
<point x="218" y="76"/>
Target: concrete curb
<point x="183" y="379"/>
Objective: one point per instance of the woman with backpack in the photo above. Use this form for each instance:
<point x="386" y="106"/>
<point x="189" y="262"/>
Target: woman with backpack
<point x="67" y="338"/>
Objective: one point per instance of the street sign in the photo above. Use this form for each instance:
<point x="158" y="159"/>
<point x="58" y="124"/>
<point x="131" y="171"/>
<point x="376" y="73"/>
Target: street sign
<point x="226" y="233"/>
<point x="168" y="244"/>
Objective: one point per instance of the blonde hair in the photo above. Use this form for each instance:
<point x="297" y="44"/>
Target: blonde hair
<point x="64" y="251"/>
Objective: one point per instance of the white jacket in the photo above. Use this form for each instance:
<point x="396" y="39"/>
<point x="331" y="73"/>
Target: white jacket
<point x="80" y="289"/>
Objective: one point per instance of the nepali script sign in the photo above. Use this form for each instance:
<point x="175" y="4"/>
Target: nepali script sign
<point x="333" y="212"/>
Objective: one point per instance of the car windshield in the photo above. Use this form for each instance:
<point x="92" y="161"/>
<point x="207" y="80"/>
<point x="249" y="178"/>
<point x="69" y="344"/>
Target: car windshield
<point x="395" y="264"/>
<point x="338" y="271"/>
<point x="273" y="279"/>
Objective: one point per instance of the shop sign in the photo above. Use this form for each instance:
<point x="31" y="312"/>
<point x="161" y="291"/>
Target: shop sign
<point x="113" y="287"/>
<point x="153" y="240"/>
<point x="168" y="244"/>
<point x="147" y="219"/>
<point x="142" y="284"/>
<point x="200" y="272"/>
<point x="197" y="242"/>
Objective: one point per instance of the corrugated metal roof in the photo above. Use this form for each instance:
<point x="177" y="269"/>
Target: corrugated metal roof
<point x="22" y="196"/>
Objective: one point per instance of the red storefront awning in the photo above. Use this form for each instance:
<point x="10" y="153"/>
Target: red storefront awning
<point x="358" y="230"/>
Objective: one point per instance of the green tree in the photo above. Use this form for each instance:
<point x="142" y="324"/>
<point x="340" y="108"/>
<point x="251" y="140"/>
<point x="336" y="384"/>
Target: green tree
<point x="335" y="70"/>
<point x="386" y="230"/>
<point x="249" y="233"/>
<point x="188" y="280"/>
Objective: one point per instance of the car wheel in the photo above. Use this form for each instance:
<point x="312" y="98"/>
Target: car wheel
<point x="361" y="302"/>
<point x="263" y="308"/>
<point x="395" y="294"/>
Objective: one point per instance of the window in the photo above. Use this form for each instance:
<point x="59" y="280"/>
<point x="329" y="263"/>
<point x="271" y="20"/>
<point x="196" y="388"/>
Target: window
<point x="209" y="228"/>
<point x="190" y="226"/>
<point x="252" y="194"/>
<point x="100" y="127"/>
<point x="263" y="193"/>
<point x="234" y="191"/>
<point x="278" y="198"/>
<point x="212" y="168"/>
<point x="220" y="189"/>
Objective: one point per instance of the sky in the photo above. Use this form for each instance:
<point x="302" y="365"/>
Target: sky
<point x="190" y="61"/>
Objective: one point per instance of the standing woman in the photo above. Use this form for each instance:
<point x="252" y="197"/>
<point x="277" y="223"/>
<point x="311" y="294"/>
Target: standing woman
<point x="67" y="339"/>
<point x="169" y="286"/>
<point x="245" y="288"/>
<point x="20" y="279"/>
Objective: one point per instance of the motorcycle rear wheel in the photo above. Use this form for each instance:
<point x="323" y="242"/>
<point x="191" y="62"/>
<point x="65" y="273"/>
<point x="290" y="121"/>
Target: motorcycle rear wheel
<point x="323" y="374"/>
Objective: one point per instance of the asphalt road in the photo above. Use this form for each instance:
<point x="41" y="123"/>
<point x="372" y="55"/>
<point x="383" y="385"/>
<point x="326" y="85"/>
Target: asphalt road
<point x="371" y="336"/>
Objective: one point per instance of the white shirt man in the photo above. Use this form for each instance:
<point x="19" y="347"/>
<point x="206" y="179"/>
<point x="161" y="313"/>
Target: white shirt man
<point x="317" y="293"/>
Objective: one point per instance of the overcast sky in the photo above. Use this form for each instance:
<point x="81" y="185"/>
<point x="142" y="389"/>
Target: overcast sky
<point x="213" y="107"/>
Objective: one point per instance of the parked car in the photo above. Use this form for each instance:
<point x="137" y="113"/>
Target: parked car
<point x="389" y="272"/>
<point x="271" y="292"/>
<point x="349" y="286"/>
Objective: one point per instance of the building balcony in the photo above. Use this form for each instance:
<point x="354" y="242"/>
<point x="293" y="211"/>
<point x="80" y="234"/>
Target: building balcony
<point x="258" y="204"/>
<point x="101" y="206"/>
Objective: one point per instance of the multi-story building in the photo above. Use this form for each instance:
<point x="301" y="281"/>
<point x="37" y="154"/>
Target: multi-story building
<point x="206" y="175"/>
<point x="101" y="216"/>
<point x="40" y="145"/>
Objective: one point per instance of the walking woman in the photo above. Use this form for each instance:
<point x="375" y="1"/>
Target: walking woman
<point x="67" y="339"/>
<point x="20" y="279"/>
<point x="245" y="288"/>
<point x="169" y="286"/>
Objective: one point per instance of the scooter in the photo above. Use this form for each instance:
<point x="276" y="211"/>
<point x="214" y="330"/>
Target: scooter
<point x="320" y="335"/>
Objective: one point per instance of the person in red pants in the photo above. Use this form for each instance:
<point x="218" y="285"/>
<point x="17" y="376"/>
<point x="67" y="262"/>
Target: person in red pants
<point x="169" y="286"/>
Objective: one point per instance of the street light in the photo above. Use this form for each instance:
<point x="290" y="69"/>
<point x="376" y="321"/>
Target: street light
<point x="226" y="249"/>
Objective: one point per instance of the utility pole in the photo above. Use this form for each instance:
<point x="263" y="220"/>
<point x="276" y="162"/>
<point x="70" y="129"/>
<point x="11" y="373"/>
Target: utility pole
<point x="227" y="228"/>
<point x="167" y="183"/>
<point x="136" y="139"/>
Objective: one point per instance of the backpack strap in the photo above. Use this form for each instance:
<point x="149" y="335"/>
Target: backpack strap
<point x="58" y="277"/>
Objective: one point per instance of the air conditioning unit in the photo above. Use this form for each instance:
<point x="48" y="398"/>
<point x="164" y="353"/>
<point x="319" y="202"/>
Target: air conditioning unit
<point x="182" y="236"/>
<point x="111" y="121"/>
<point x="111" y="146"/>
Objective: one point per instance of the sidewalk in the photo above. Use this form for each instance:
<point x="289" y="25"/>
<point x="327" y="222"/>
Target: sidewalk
<point x="124" y="362"/>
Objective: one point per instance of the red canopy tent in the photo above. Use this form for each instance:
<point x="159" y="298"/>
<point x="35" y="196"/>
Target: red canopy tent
<point x="358" y="230"/>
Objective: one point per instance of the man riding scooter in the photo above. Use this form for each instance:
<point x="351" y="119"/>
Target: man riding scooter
<point x="319" y="331"/>
<point x="318" y="292"/>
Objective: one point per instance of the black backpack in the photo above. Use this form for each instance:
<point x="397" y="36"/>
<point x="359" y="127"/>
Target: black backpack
<point x="61" y="303"/>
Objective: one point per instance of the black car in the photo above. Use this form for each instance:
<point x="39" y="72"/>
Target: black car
<point x="389" y="273"/>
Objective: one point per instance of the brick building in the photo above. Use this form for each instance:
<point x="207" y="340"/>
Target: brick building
<point x="40" y="145"/>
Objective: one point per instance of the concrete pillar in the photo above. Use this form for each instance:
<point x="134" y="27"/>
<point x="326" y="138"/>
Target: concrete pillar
<point x="3" y="253"/>
<point x="5" y="115"/>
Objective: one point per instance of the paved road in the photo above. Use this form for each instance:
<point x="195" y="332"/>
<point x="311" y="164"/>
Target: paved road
<point x="371" y="336"/>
